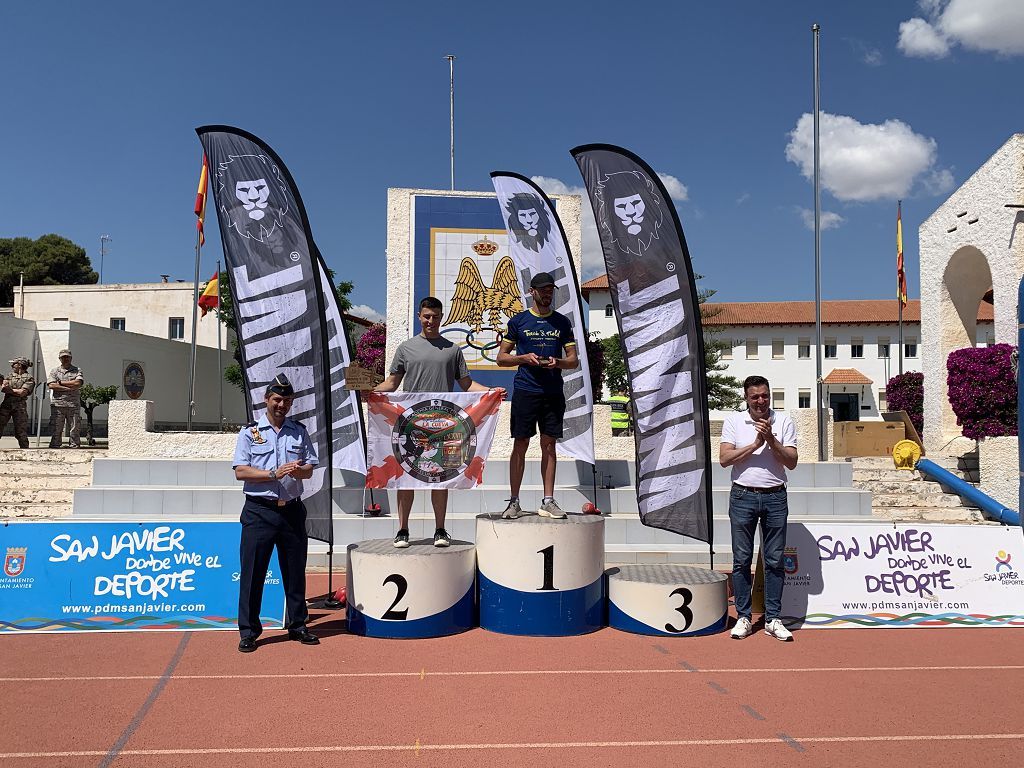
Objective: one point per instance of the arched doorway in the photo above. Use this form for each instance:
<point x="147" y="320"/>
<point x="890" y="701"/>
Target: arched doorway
<point x="966" y="282"/>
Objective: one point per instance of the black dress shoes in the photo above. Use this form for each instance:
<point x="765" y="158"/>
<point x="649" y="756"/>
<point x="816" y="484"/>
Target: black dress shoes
<point x="304" y="636"/>
<point x="247" y="645"/>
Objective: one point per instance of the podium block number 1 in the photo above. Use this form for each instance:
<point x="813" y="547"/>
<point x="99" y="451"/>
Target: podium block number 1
<point x="549" y="568"/>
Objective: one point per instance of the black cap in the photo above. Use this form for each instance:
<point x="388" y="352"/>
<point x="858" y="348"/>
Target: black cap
<point x="280" y="386"/>
<point x="542" y="280"/>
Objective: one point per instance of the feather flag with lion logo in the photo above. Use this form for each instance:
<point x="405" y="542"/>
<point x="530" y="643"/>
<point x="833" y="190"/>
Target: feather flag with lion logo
<point x="429" y="439"/>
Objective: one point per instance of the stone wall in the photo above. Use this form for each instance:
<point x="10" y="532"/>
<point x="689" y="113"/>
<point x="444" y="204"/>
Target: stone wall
<point x="973" y="241"/>
<point x="130" y="434"/>
<point x="998" y="465"/>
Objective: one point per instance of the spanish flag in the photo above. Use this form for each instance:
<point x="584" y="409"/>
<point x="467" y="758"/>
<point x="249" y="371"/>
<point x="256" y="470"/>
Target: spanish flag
<point x="210" y="297"/>
<point x="901" y="274"/>
<point x="204" y="181"/>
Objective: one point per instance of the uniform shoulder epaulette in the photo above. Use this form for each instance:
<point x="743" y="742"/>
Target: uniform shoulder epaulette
<point x="296" y="421"/>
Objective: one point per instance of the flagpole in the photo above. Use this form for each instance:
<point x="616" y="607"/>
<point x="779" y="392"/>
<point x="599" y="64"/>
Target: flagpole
<point x="822" y="439"/>
<point x="900" y="280"/>
<point x="192" y="355"/>
<point x="220" y="363"/>
<point x="451" y="113"/>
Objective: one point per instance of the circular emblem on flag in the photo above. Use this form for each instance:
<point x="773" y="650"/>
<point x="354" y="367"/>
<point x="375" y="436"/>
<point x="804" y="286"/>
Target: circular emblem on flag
<point x="134" y="380"/>
<point x="434" y="440"/>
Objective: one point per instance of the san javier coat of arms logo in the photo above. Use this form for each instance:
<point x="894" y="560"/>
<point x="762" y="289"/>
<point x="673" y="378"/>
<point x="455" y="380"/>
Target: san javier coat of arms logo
<point x="14" y="562"/>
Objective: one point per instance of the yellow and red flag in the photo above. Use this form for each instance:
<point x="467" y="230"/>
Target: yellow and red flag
<point x="210" y="298"/>
<point x="901" y="273"/>
<point x="204" y="181"/>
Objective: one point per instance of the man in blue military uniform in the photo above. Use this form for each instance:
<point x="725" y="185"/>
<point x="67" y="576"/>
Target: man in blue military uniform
<point x="272" y="457"/>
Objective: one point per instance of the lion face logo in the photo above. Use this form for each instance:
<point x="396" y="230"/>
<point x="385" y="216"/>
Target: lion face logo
<point x="528" y="220"/>
<point x="629" y="210"/>
<point x="254" y="198"/>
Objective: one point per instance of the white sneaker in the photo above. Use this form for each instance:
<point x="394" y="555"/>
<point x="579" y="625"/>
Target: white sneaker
<point x="778" y="630"/>
<point x="551" y="509"/>
<point x="742" y="629"/>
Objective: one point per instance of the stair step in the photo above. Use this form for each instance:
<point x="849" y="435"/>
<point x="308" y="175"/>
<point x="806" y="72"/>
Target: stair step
<point x="39" y="511"/>
<point x="892" y="486"/>
<point x="911" y="499"/>
<point x="36" y="496"/>
<point x="43" y="469"/>
<point x="40" y="482"/>
<point x="929" y="514"/>
<point x="48" y="455"/>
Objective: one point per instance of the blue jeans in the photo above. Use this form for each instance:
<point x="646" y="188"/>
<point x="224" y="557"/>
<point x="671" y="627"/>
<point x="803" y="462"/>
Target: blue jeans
<point x="746" y="509"/>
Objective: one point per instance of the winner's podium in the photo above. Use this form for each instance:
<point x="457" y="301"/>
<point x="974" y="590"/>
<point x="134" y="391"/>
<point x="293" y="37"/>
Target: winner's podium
<point x="421" y="591"/>
<point x="667" y="599"/>
<point x="540" y="576"/>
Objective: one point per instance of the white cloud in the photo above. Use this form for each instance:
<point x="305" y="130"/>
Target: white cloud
<point x="865" y="161"/>
<point x="675" y="188"/>
<point x="742" y="198"/>
<point x="593" y="258"/>
<point x="991" y="26"/>
<point x="920" y="39"/>
<point x="873" y="57"/>
<point x="869" y="55"/>
<point x="367" y="312"/>
<point x="829" y="219"/>
<point x="938" y="182"/>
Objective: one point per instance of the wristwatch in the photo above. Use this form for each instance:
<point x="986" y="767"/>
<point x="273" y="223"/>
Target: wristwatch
<point x="273" y="474"/>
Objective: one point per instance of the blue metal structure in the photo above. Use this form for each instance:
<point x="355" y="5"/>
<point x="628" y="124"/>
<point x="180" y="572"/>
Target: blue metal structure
<point x="986" y="503"/>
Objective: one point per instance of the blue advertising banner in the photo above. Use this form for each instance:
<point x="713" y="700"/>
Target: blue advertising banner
<point x="71" y="576"/>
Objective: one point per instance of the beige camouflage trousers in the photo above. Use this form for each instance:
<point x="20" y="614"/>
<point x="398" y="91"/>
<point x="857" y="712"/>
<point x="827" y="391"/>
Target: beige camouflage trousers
<point x="70" y="417"/>
<point x="19" y="414"/>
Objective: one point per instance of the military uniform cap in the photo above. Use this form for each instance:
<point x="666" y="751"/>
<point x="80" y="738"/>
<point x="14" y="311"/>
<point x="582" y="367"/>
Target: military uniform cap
<point x="22" y="361"/>
<point x="64" y="352"/>
<point x="280" y="386"/>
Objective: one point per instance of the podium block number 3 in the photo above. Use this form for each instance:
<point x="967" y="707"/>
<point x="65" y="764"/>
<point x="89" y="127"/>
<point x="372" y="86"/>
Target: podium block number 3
<point x="683" y="609"/>
<point x="549" y="569"/>
<point x="402" y="586"/>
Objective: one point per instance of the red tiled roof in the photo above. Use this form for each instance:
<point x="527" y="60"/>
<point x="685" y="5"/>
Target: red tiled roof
<point x="865" y="311"/>
<point x="846" y="376"/>
<point x="356" y="319"/>
<point x="841" y="312"/>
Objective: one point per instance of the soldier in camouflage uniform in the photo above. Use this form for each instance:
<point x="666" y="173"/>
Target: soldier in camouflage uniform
<point x="64" y="382"/>
<point x="17" y="388"/>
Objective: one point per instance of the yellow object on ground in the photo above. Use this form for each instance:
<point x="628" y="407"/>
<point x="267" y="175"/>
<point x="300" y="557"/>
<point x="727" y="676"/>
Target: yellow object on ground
<point x="906" y="454"/>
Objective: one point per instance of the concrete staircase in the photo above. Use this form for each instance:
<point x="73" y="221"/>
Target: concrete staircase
<point x="200" y="489"/>
<point x="906" y="495"/>
<point x="41" y="483"/>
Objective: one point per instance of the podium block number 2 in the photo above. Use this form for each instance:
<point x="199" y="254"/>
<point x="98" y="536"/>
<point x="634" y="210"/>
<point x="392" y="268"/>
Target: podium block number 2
<point x="549" y="569"/>
<point x="402" y="586"/>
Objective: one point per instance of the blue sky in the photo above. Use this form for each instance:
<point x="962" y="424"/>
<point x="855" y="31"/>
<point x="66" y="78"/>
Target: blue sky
<point x="102" y="99"/>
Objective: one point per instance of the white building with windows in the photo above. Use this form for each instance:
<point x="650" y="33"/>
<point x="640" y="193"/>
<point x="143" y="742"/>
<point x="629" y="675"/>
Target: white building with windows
<point x="142" y="325"/>
<point x="163" y="310"/>
<point x="860" y="351"/>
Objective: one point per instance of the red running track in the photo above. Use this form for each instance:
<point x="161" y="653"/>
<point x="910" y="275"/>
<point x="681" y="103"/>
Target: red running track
<point x="833" y="697"/>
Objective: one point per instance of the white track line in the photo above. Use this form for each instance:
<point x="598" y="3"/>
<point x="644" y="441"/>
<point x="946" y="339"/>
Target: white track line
<point x="521" y="672"/>
<point x="314" y="748"/>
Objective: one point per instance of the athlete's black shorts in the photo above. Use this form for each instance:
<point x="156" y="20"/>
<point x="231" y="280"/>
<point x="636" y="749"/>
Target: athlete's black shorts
<point x="530" y="409"/>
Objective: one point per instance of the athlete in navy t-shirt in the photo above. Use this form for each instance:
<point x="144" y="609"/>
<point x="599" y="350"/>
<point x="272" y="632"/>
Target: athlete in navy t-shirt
<point x="539" y="336"/>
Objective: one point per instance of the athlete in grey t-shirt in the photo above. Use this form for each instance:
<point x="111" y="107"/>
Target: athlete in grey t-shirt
<point x="428" y="363"/>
